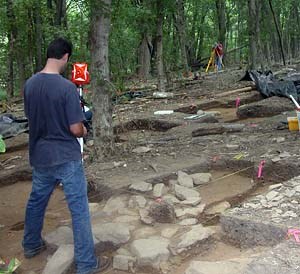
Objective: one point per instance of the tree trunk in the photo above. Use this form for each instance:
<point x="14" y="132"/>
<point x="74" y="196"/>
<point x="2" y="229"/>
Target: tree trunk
<point x="144" y="57"/>
<point x="254" y="32"/>
<point x="102" y="101"/>
<point x="38" y="36"/>
<point x="180" y="25"/>
<point x="12" y="33"/>
<point x="61" y="13"/>
<point x="221" y="12"/>
<point x="159" y="48"/>
<point x="278" y="32"/>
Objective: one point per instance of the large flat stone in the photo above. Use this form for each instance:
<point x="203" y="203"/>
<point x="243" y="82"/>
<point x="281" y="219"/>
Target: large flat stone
<point x="63" y="235"/>
<point x="201" y="178"/>
<point x="184" y="193"/>
<point x="150" y="252"/>
<point x="141" y="186"/>
<point x="114" y="204"/>
<point x="60" y="261"/>
<point x="196" y="236"/>
<point x="184" y="179"/>
<point x="236" y="266"/>
<point x="114" y="233"/>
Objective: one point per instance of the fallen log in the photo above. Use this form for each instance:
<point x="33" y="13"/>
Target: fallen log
<point x="239" y="90"/>
<point x="213" y="129"/>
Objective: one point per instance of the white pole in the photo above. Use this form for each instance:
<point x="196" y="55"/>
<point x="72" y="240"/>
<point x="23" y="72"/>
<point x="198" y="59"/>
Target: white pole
<point x="80" y="140"/>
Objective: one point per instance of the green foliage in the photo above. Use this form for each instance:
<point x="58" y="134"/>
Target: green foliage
<point x="131" y="20"/>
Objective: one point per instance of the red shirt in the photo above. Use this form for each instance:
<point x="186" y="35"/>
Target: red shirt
<point x="219" y="49"/>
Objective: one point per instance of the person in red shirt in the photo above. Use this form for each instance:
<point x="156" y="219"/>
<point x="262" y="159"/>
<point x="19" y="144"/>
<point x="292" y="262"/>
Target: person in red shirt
<point x="218" y="48"/>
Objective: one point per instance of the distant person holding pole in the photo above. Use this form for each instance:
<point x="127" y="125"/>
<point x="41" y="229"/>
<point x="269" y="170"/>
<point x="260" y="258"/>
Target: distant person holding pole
<point x="52" y="106"/>
<point x="218" y="48"/>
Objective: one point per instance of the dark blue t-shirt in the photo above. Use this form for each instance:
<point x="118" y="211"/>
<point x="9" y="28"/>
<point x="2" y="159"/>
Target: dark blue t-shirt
<point x="52" y="104"/>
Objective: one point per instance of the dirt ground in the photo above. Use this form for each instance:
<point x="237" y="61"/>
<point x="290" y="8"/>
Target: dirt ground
<point x="171" y="150"/>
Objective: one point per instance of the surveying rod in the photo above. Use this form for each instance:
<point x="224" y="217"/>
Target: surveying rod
<point x="80" y="140"/>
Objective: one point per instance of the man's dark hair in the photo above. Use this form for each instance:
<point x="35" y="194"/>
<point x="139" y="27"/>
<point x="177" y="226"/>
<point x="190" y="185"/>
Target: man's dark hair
<point x="58" y="48"/>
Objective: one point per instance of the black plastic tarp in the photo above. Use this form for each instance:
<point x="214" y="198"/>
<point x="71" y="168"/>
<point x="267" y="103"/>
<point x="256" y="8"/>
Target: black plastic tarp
<point x="11" y="126"/>
<point x="268" y="85"/>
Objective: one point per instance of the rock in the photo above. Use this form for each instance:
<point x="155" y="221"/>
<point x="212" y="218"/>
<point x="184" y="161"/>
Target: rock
<point x="115" y="204"/>
<point x="172" y="184"/>
<point x="169" y="232"/>
<point x="187" y="212"/>
<point x="201" y="178"/>
<point x="290" y="193"/>
<point x="184" y="179"/>
<point x="113" y="233"/>
<point x="90" y="143"/>
<point x="184" y="193"/>
<point x="137" y="201"/>
<point x="145" y="218"/>
<point x="191" y="221"/>
<point x="119" y="164"/>
<point x="218" y="208"/>
<point x="280" y="259"/>
<point x="232" y="146"/>
<point x="140" y="150"/>
<point x="198" y="234"/>
<point x="122" y="262"/>
<point x="271" y="195"/>
<point x="93" y="207"/>
<point x="192" y="201"/>
<point x="236" y="266"/>
<point x="159" y="190"/>
<point x="280" y="139"/>
<point x="126" y="219"/>
<point x="284" y="154"/>
<point x="144" y="232"/>
<point x="61" y="236"/>
<point x="271" y="187"/>
<point x="123" y="251"/>
<point x="162" y="212"/>
<point x="162" y="95"/>
<point x="150" y="252"/>
<point x="141" y="186"/>
<point x="275" y="159"/>
<point x="171" y="199"/>
<point x="60" y="261"/>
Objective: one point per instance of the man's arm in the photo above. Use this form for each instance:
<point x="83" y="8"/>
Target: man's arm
<point x="78" y="130"/>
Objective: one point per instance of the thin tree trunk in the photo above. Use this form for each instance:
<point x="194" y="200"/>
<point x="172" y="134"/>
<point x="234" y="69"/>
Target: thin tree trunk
<point x="180" y="25"/>
<point x="12" y="33"/>
<point x="221" y="12"/>
<point x="159" y="54"/>
<point x="278" y="32"/>
<point x="60" y="13"/>
<point x="38" y="36"/>
<point x="144" y="57"/>
<point x="102" y="101"/>
<point x="254" y="31"/>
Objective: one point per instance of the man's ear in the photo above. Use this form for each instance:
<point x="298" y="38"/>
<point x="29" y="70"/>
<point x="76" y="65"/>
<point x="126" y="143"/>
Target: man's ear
<point x="66" y="57"/>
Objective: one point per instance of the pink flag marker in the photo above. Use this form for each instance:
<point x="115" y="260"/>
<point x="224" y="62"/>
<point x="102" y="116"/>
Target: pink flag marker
<point x="260" y="168"/>
<point x="237" y="102"/>
<point x="295" y="233"/>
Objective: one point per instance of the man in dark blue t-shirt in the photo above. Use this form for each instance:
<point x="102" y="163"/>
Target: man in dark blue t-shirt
<point x="55" y="117"/>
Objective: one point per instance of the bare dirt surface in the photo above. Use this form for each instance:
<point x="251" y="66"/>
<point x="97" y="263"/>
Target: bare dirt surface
<point x="232" y="158"/>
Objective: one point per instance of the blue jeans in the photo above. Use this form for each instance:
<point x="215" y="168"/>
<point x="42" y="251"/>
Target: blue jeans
<point x="44" y="180"/>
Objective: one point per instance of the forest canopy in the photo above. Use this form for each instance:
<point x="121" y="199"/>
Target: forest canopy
<point x="255" y="34"/>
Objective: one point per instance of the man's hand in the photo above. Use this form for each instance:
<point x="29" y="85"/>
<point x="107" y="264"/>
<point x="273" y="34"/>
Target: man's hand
<point x="78" y="130"/>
